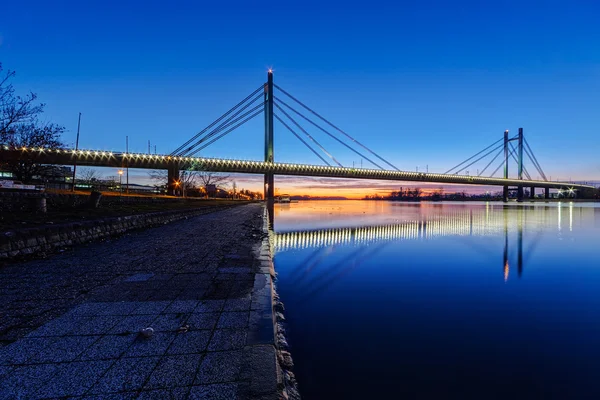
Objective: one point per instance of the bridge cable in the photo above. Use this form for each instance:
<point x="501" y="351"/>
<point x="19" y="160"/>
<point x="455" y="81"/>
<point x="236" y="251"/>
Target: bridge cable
<point x="180" y="148"/>
<point x="532" y="155"/>
<point x="226" y="132"/>
<point x="490" y="163"/>
<point x="224" y="125"/>
<point x="302" y="140"/>
<point x="328" y="133"/>
<point x="258" y="107"/>
<point x="308" y="135"/>
<point x="472" y="157"/>
<point x="517" y="161"/>
<point x="534" y="159"/>
<point x="479" y="159"/>
<point x="335" y="127"/>
<point x="501" y="164"/>
<point x="534" y="164"/>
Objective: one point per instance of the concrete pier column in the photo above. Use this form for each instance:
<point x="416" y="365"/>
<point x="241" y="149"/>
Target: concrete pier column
<point x="546" y="193"/>
<point x="532" y="192"/>
<point x="520" y="193"/>
<point x="173" y="181"/>
<point x="505" y="194"/>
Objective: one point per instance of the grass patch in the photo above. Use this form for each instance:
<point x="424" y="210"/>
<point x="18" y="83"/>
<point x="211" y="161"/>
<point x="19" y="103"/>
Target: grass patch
<point x="61" y="209"/>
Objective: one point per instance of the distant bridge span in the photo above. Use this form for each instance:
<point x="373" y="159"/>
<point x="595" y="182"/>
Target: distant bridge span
<point x="152" y="161"/>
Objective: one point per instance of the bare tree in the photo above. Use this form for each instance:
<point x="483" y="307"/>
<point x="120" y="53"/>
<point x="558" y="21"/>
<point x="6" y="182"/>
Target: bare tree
<point x="20" y="127"/>
<point x="88" y="175"/>
<point x="31" y="135"/>
<point x="15" y="109"/>
<point x="212" y="178"/>
<point x="191" y="178"/>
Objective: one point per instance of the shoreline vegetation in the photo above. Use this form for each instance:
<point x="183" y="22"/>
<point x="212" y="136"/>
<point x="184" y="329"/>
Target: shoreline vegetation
<point x="417" y="194"/>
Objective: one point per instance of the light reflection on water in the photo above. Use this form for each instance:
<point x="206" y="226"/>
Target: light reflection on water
<point x="441" y="300"/>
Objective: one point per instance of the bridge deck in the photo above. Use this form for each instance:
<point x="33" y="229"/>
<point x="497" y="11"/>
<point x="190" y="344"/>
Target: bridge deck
<point x="152" y="161"/>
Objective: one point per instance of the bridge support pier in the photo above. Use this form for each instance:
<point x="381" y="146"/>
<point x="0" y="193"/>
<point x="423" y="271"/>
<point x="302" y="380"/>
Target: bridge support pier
<point x="520" y="194"/>
<point x="532" y="193"/>
<point x="547" y="193"/>
<point x="505" y="194"/>
<point x="173" y="182"/>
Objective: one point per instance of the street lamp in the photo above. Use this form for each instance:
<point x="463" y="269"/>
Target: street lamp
<point x="121" y="181"/>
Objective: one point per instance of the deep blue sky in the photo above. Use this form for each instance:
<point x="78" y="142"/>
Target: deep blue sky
<point x="421" y="82"/>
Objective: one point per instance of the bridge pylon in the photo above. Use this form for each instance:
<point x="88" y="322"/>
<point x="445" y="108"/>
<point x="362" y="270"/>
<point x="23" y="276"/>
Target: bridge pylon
<point x="519" y="140"/>
<point x="269" y="189"/>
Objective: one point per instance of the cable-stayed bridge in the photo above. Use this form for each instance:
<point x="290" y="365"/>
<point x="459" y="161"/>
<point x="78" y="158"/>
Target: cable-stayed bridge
<point x="288" y="111"/>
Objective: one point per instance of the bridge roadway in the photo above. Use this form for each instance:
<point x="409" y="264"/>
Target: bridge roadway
<point x="153" y="161"/>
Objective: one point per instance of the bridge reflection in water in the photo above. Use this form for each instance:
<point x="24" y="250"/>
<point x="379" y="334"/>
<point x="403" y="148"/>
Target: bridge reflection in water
<point x="503" y="222"/>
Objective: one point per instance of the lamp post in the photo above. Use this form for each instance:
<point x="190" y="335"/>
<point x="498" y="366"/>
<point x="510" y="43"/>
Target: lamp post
<point x="121" y="182"/>
<point x="176" y="187"/>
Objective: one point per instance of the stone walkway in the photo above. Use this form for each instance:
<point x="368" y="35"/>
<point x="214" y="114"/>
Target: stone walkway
<point x="70" y="324"/>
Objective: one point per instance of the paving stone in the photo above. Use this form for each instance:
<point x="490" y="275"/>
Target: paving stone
<point x="203" y="321"/>
<point x="156" y="345"/>
<point x="150" y="307"/>
<point x="227" y="339"/>
<point x="117" y="308"/>
<point x="181" y="306"/>
<point x="174" y="371"/>
<point x="169" y="322"/>
<point x="210" y="306"/>
<point x="5" y="370"/>
<point x="219" y="391"/>
<point x="96" y="325"/>
<point x="108" y="347"/>
<point x="116" y="276"/>
<point x="74" y="379"/>
<point x="120" y="396"/>
<point x="19" y="352"/>
<point x="58" y="327"/>
<point x="165" y="394"/>
<point x="61" y="349"/>
<point x="126" y="374"/>
<point x="89" y="309"/>
<point x="261" y="362"/>
<point x="133" y="324"/>
<point x="240" y="304"/>
<point x="219" y="367"/>
<point x="233" y="320"/>
<point x="140" y="277"/>
<point x="237" y="270"/>
<point x="24" y="381"/>
<point x="190" y="342"/>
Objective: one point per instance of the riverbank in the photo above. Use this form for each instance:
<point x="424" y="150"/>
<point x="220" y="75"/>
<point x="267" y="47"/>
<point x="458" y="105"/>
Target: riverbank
<point x="71" y="324"/>
<point x="19" y="210"/>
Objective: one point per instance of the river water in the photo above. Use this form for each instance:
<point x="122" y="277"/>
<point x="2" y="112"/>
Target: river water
<point x="441" y="300"/>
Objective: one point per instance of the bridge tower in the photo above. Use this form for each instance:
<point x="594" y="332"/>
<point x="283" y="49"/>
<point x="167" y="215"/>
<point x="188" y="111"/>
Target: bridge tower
<point x="520" y="167"/>
<point x="505" y="189"/>
<point x="519" y="139"/>
<point x="269" y="179"/>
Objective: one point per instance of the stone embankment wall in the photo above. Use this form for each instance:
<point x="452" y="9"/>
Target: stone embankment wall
<point x="32" y="241"/>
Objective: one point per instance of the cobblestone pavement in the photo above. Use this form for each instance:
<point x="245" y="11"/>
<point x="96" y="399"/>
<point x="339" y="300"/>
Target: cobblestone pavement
<point x="70" y="324"/>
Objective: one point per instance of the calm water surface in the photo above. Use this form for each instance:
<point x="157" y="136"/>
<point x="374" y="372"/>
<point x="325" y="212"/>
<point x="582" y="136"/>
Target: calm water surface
<point x="441" y="300"/>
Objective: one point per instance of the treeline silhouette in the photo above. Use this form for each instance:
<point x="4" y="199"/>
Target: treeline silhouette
<point x="417" y="194"/>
